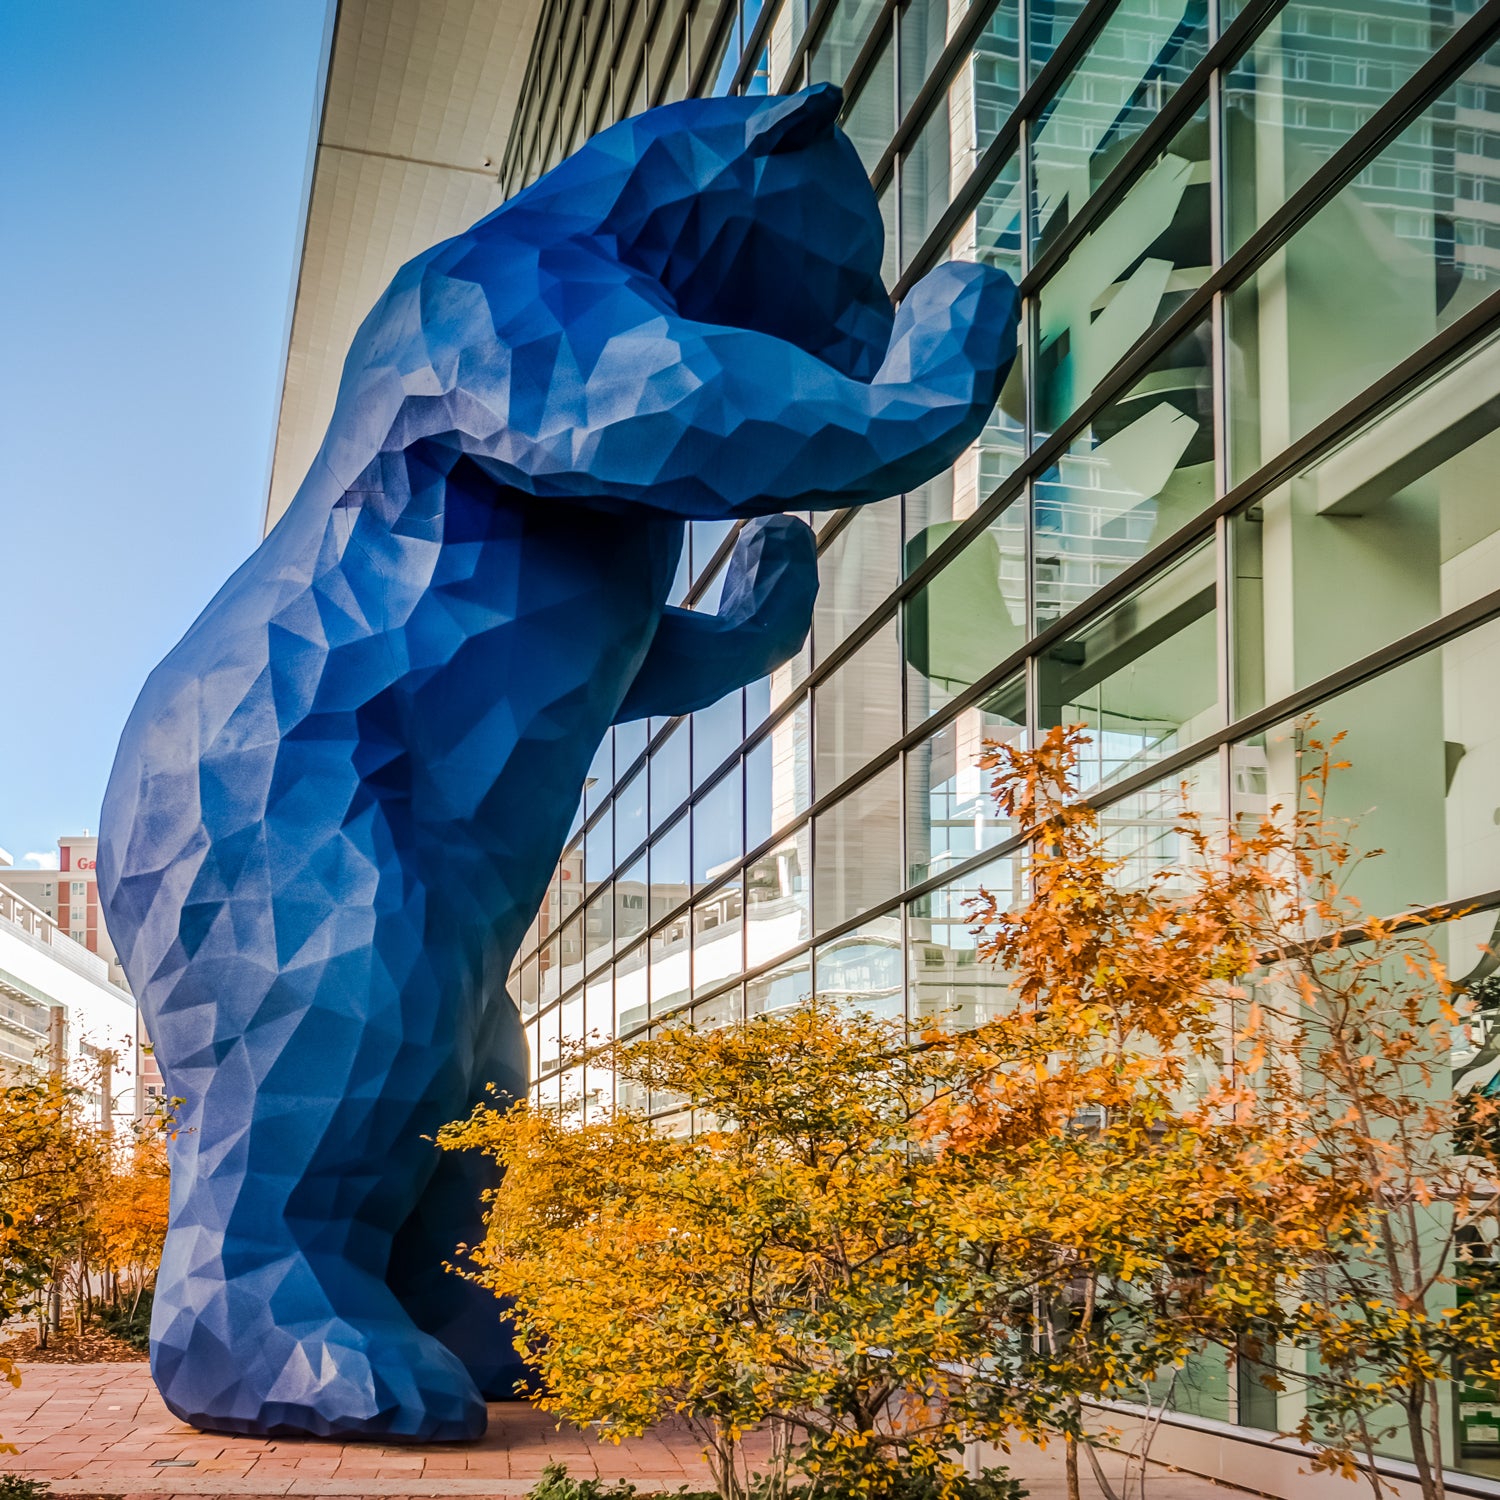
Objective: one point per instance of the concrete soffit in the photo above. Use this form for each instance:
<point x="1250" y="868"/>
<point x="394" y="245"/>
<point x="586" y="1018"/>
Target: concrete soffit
<point x="417" y="108"/>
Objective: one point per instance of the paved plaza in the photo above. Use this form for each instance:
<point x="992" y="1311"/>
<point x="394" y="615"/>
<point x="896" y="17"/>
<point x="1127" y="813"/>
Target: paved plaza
<point x="102" y="1430"/>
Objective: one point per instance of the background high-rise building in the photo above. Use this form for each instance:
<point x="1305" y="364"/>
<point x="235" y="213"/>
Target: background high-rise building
<point x="1243" y="474"/>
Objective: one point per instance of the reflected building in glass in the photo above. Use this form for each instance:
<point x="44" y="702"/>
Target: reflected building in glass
<point x="1245" y="471"/>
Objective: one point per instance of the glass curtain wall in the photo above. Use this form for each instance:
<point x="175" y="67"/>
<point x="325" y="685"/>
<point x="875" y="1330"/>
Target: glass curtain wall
<point x="1242" y="473"/>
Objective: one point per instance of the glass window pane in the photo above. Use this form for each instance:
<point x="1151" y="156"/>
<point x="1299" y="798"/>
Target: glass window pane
<point x="570" y="952"/>
<point x="969" y="617"/>
<point x="1307" y="83"/>
<point x="870" y="117"/>
<point x="705" y="538"/>
<point x="529" y="990"/>
<point x="1392" y="260"/>
<point x="724" y="1009"/>
<point x="950" y="802"/>
<point x="717" y="732"/>
<point x="778" y="777"/>
<point x="630" y="744"/>
<point x="1423" y="746"/>
<point x="1047" y="23"/>
<point x="858" y="848"/>
<point x="718" y="942"/>
<point x="630" y="815"/>
<point x="1135" y="475"/>
<point x="600" y="781"/>
<point x="858" y="710"/>
<point x="979" y="99"/>
<point x="669" y="869"/>
<point x="671" y="965"/>
<point x="671" y="777"/>
<point x="835" y="50"/>
<point x="599" y="850"/>
<point x="890" y="260"/>
<point x="950" y="984"/>
<point x="631" y="1006"/>
<point x="1151" y="252"/>
<point x="783" y="988"/>
<point x="776" y="899"/>
<point x="1395" y="527"/>
<point x="992" y="233"/>
<point x="1143" y="677"/>
<point x="598" y="930"/>
<point x="1141" y="830"/>
<point x="856" y="572"/>
<point x="1133" y="66"/>
<point x="718" y="829"/>
<point x="631" y="895"/>
<point x="863" y="968"/>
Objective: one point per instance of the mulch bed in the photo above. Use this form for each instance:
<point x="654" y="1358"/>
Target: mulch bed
<point x="92" y="1347"/>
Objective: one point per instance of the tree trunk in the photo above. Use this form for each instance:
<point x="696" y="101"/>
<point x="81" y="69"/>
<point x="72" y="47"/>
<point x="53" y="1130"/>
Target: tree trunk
<point x="1070" y="1466"/>
<point x="1429" y="1477"/>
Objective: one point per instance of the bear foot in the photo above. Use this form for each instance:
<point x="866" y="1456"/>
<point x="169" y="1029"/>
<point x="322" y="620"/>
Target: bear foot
<point x="380" y="1382"/>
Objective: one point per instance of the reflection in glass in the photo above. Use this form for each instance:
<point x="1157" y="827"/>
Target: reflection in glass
<point x="834" y="52"/>
<point x="1143" y="677"/>
<point x="1126" y="276"/>
<point x="671" y="775"/>
<point x="784" y="987"/>
<point x="1131" y="478"/>
<point x="724" y="1009"/>
<point x="979" y="99"/>
<point x="600" y="780"/>
<point x="950" y="985"/>
<point x="776" y="898"/>
<point x="992" y="233"/>
<point x="598" y="930"/>
<point x="599" y="1025"/>
<point x="856" y="571"/>
<point x="863" y="968"/>
<point x="1141" y="829"/>
<point x="718" y="830"/>
<point x="1047" y="23"/>
<point x="631" y="892"/>
<point x="631" y="991"/>
<point x="1134" y="65"/>
<point x="670" y="869"/>
<point x="1423" y="746"/>
<point x="671" y="965"/>
<point x="858" y="709"/>
<point x="599" y="850"/>
<point x="718" y="944"/>
<point x="1314" y="76"/>
<point x="870" y="117"/>
<point x="778" y="776"/>
<point x="717" y="732"/>
<point x="630" y="815"/>
<point x="969" y="616"/>
<point x="1393" y="259"/>
<point x="857" y="843"/>
<point x="950" y="803"/>
<point x="1395" y="527"/>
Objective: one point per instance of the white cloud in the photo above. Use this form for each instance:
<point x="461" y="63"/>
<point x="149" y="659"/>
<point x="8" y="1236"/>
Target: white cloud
<point x="41" y="861"/>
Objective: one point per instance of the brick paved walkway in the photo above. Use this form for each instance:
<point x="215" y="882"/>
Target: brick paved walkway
<point x="102" y="1429"/>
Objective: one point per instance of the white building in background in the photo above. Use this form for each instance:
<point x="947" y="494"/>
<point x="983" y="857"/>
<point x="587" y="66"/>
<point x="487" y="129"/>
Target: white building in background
<point x="55" y="993"/>
<point x="69" y="896"/>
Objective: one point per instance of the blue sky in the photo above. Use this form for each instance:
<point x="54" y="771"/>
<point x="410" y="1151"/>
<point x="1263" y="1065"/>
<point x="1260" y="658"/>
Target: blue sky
<point x="151" y="185"/>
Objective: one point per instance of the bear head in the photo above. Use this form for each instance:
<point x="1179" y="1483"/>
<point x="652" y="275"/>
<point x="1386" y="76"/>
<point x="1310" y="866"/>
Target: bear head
<point x="752" y="212"/>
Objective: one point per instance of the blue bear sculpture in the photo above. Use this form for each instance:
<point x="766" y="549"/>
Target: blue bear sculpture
<point x="336" y="806"/>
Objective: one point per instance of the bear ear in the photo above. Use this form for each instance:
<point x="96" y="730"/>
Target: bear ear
<point x="795" y="121"/>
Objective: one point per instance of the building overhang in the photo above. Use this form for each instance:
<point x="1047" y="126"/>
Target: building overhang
<point x="417" y="108"/>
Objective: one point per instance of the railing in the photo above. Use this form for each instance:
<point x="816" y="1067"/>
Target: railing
<point x="41" y="928"/>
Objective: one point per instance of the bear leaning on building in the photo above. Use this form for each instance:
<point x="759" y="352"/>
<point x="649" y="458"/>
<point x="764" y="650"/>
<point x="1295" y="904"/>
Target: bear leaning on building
<point x="337" y="804"/>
